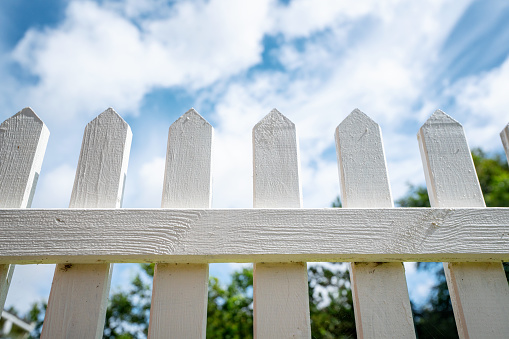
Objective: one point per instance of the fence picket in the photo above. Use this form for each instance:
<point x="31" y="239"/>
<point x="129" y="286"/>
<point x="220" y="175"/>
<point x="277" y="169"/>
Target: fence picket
<point x="79" y="293"/>
<point x="23" y="140"/>
<point x="504" y="136"/>
<point x="479" y="291"/>
<point x="280" y="290"/>
<point x="186" y="234"/>
<point x="379" y="290"/>
<point x="179" y="295"/>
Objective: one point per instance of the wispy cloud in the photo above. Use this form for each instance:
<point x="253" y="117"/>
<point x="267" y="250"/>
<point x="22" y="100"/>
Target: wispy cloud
<point x="397" y="61"/>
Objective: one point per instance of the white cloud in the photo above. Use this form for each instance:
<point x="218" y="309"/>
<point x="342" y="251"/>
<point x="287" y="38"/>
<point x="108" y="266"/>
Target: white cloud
<point x="305" y="17"/>
<point x="423" y="289"/>
<point x="97" y="58"/>
<point x="54" y="187"/>
<point x="378" y="57"/>
<point x="385" y="72"/>
<point x="410" y="267"/>
<point x="146" y="183"/>
<point x="482" y="101"/>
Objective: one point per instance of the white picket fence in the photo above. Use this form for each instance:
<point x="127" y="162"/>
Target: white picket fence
<point x="278" y="235"/>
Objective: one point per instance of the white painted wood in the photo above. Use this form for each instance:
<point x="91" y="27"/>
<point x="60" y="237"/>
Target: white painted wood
<point x="276" y="164"/>
<point x="280" y="290"/>
<point x="102" y="166"/>
<point x="79" y="293"/>
<point x="6" y="272"/>
<point x="78" y="301"/>
<point x="23" y="140"/>
<point x="179" y="301"/>
<point x="448" y="165"/>
<point x="361" y="163"/>
<point x="253" y="235"/>
<point x="187" y="177"/>
<point x="379" y="290"/>
<point x="479" y="295"/>
<point x="180" y="291"/>
<point x="504" y="135"/>
<point x="281" y="310"/>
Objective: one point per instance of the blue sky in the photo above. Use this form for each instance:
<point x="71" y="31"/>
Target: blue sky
<point x="233" y="62"/>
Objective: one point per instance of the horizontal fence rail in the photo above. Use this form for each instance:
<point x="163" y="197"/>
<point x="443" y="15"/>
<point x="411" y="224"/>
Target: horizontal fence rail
<point x="251" y="235"/>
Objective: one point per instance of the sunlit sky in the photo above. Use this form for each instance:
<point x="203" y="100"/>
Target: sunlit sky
<point x="233" y="61"/>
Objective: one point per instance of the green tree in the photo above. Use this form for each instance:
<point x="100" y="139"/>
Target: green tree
<point x="330" y="302"/>
<point x="230" y="309"/>
<point x="436" y="318"/>
<point x="128" y="312"/>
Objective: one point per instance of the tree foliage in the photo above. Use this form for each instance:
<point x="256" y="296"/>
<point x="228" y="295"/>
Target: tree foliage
<point x="230" y="309"/>
<point x="330" y="302"/>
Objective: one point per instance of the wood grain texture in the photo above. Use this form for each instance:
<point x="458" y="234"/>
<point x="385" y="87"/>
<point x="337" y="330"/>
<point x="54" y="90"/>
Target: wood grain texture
<point x="504" y="136"/>
<point x="187" y="177"/>
<point x="6" y="272"/>
<point x="179" y="295"/>
<point x="253" y="235"/>
<point x="79" y="308"/>
<point x="480" y="301"/>
<point x="281" y="310"/>
<point x="361" y="162"/>
<point x="276" y="165"/>
<point x="379" y="290"/>
<point x="280" y="290"/>
<point x="449" y="168"/>
<point x="381" y="299"/>
<point x="23" y="140"/>
<point x="102" y="165"/>
<point x="79" y="293"/>
<point x="179" y="301"/>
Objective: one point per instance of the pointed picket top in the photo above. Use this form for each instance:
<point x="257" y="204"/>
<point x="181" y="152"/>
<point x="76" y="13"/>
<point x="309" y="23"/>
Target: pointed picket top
<point x="440" y="117"/>
<point x="274" y="118"/>
<point x="448" y="166"/>
<point x="109" y="117"/>
<point x="276" y="162"/>
<point x="356" y="118"/>
<point x="187" y="175"/>
<point x="23" y="140"/>
<point x="190" y="116"/>
<point x="361" y="162"/>
<point x="26" y="112"/>
<point x="102" y="166"/>
<point x="504" y="135"/>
